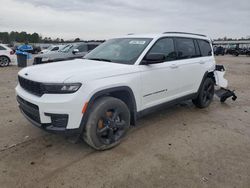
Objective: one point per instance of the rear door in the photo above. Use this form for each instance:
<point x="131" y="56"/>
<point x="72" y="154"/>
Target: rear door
<point x="189" y="65"/>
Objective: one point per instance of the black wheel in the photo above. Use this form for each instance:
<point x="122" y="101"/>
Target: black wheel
<point x="206" y="94"/>
<point x="4" y="61"/>
<point x="107" y="124"/>
<point x="236" y="54"/>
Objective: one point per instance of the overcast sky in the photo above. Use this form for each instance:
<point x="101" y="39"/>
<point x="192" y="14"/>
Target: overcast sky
<point x="102" y="19"/>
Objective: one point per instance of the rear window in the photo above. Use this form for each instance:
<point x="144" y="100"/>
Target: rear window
<point x="185" y="48"/>
<point x="2" y="48"/>
<point x="205" y="48"/>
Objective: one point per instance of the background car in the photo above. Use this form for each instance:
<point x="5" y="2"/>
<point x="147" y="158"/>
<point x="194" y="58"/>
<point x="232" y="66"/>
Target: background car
<point x="219" y="50"/>
<point x="52" y="48"/>
<point x="70" y="51"/>
<point x="7" y="56"/>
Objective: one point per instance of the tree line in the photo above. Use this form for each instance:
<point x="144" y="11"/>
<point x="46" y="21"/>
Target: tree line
<point x="22" y="37"/>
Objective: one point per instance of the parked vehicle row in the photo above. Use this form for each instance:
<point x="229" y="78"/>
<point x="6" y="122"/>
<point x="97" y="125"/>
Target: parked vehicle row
<point x="7" y="56"/>
<point x="52" y="48"/>
<point x="97" y="98"/>
<point x="235" y="51"/>
<point x="70" y="51"/>
<point x="238" y="51"/>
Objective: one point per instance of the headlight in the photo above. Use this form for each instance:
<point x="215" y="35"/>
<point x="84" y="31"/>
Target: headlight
<point x="61" y="88"/>
<point x="45" y="59"/>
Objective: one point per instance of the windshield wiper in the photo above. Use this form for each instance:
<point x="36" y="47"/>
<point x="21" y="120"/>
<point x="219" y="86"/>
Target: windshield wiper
<point x="99" y="59"/>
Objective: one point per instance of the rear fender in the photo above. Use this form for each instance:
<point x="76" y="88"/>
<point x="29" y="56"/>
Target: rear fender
<point x="219" y="76"/>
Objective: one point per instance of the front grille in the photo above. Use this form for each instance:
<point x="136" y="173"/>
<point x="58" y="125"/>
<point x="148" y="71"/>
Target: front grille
<point x="33" y="87"/>
<point x="29" y="109"/>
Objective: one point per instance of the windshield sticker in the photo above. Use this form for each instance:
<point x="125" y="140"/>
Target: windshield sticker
<point x="141" y="42"/>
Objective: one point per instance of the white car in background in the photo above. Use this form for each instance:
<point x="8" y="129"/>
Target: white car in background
<point x="52" y="48"/>
<point x="7" y="56"/>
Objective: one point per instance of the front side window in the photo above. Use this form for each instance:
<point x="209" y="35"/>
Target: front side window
<point x="82" y="48"/>
<point x="92" y="46"/>
<point x="55" y="48"/>
<point x="120" y="50"/>
<point x="66" y="48"/>
<point x="164" y="46"/>
<point x="205" y="48"/>
<point x="185" y="48"/>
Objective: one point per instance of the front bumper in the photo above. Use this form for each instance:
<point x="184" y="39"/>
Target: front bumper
<point x="58" y="113"/>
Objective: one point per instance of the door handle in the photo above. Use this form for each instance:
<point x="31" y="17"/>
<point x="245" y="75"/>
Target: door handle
<point x="174" y="66"/>
<point x="202" y="62"/>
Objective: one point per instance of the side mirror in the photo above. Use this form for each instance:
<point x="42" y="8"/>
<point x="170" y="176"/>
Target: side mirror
<point x="75" y="51"/>
<point x="153" y="58"/>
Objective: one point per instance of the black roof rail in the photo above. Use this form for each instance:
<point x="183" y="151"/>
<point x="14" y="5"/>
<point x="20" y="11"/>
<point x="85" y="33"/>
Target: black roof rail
<point x="184" y="33"/>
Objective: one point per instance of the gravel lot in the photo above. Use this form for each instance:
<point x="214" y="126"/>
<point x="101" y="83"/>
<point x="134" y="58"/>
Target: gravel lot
<point x="178" y="147"/>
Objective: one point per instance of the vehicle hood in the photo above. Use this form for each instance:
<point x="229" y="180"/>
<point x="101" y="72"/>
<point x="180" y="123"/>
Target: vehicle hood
<point x="78" y="70"/>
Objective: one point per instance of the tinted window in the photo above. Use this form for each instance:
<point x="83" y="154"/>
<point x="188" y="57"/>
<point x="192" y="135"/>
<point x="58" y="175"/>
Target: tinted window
<point x="205" y="48"/>
<point x="66" y="48"/>
<point x="185" y="48"/>
<point x="55" y="49"/>
<point x="2" y="48"/>
<point x="164" y="46"/>
<point x="82" y="48"/>
<point x="92" y="46"/>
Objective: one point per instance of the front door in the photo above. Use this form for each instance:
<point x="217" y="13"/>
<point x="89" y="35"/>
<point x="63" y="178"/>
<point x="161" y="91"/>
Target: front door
<point x="160" y="82"/>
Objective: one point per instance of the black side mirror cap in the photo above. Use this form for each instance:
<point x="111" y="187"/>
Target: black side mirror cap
<point x="153" y="58"/>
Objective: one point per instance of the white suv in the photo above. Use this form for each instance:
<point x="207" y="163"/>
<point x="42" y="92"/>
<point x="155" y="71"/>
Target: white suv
<point x="100" y="96"/>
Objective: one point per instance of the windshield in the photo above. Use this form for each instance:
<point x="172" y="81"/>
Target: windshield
<point x="120" y="50"/>
<point x="66" y="48"/>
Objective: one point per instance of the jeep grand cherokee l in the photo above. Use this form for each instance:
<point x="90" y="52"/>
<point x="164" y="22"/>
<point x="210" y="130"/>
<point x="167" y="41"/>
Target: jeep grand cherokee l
<point x="100" y="96"/>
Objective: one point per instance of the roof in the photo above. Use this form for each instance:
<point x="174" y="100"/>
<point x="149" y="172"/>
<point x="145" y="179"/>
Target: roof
<point x="176" y="34"/>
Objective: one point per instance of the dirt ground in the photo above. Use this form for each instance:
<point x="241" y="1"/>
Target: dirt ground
<point x="177" y="147"/>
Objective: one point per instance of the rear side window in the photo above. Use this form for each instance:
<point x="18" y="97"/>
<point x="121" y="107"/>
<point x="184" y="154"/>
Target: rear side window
<point x="164" y="46"/>
<point x="205" y="48"/>
<point x="185" y="48"/>
<point x="2" y="48"/>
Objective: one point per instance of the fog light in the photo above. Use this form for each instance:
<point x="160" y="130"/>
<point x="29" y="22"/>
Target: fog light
<point x="58" y="120"/>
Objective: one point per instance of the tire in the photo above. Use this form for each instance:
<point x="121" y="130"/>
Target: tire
<point x="205" y="95"/>
<point x="236" y="54"/>
<point x="4" y="61"/>
<point x="107" y="124"/>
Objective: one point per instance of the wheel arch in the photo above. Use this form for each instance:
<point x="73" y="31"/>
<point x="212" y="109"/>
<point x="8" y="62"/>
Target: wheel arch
<point x="123" y="93"/>
<point x="206" y="75"/>
<point x="6" y="57"/>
